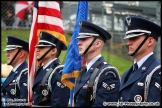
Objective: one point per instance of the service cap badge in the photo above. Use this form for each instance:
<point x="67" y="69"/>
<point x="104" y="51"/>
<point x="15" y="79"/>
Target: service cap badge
<point x="128" y="21"/>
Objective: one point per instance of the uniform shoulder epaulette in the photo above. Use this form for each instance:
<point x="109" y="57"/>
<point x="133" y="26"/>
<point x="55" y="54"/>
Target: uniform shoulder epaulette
<point x="50" y="76"/>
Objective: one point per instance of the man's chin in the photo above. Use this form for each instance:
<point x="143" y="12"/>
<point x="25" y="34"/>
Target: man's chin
<point x="80" y="54"/>
<point x="8" y="63"/>
<point x="130" y="54"/>
<point x="37" y="58"/>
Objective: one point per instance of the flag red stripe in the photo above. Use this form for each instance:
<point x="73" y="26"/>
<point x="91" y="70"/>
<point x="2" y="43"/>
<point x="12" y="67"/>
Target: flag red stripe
<point x="49" y="12"/>
<point x="46" y="26"/>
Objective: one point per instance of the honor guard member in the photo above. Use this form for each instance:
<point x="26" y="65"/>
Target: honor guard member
<point x="142" y="82"/>
<point x="14" y="87"/>
<point x="98" y="82"/>
<point x="48" y="90"/>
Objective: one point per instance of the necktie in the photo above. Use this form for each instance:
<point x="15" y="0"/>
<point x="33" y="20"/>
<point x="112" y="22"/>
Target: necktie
<point x="135" y="67"/>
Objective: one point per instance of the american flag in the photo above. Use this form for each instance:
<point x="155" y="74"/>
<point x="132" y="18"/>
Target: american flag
<point x="46" y="17"/>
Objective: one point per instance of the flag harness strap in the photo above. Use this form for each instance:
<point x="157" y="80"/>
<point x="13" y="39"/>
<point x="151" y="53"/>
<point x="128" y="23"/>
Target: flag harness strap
<point x="90" y="85"/>
<point x="43" y="99"/>
<point x="148" y="80"/>
<point x="58" y="68"/>
<point x="18" y="78"/>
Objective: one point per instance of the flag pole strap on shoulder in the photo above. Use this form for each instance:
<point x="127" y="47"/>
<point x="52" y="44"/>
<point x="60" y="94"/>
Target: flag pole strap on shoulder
<point x="90" y="85"/>
<point x="18" y="78"/>
<point x="148" y="80"/>
<point x="97" y="78"/>
<point x="50" y="77"/>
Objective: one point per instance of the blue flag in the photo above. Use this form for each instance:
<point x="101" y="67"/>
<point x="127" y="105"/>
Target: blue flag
<point x="73" y="62"/>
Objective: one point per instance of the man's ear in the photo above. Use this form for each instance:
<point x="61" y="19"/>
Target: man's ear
<point x="22" y="53"/>
<point x="99" y="42"/>
<point x="151" y="41"/>
<point x="54" y="50"/>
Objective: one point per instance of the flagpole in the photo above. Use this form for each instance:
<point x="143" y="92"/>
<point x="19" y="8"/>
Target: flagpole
<point x="71" y="97"/>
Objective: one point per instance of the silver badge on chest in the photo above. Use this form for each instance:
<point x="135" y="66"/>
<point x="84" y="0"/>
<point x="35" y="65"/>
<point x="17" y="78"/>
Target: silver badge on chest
<point x="137" y="98"/>
<point x="13" y="91"/>
<point x="44" y="92"/>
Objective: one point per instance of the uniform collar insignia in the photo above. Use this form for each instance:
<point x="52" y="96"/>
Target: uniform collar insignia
<point x="143" y="68"/>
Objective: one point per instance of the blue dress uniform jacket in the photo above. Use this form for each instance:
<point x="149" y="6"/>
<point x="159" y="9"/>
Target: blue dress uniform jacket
<point x="133" y="89"/>
<point x="107" y="88"/>
<point x="60" y="94"/>
<point x="10" y="88"/>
